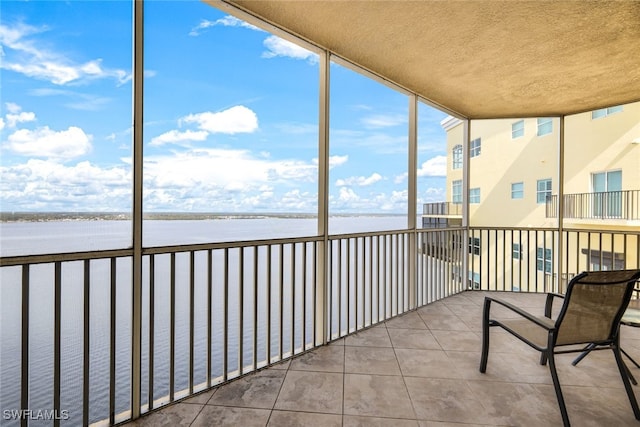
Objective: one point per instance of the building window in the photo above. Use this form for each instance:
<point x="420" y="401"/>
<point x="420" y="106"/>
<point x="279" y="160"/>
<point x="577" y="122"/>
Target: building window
<point x="516" y="251"/>
<point x="517" y="129"/>
<point x="474" y="245"/>
<point x="517" y="190"/>
<point x="543" y="260"/>
<point x="545" y="126"/>
<point x="457" y="157"/>
<point x="604" y="112"/>
<point x="604" y="260"/>
<point x="456" y="191"/>
<point x="474" y="195"/>
<point x="607" y="197"/>
<point x="474" y="147"/>
<point x="544" y="190"/>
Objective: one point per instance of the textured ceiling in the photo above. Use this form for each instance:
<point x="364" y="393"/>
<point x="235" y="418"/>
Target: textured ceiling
<point x="479" y="58"/>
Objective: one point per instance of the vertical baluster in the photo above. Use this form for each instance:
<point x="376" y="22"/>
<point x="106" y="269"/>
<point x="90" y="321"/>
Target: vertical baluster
<point x="281" y="295"/>
<point x="225" y="318"/>
<point x="172" y="327"/>
<point x="152" y="287"/>
<point x="24" y="368"/>
<point x="292" y="292"/>
<point x="112" y="345"/>
<point x="209" y="313"/>
<point x="192" y="290"/>
<point x="268" y="308"/>
<point x="240" y="310"/>
<point x="255" y="307"/>
<point x="85" y="343"/>
<point x="304" y="296"/>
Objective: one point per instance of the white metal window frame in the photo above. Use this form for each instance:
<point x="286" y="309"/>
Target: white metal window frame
<point x="542" y="193"/>
<point x="517" y="190"/>
<point x="545" y="126"/>
<point x="456" y="156"/>
<point x="475" y="147"/>
<point x="517" y="129"/>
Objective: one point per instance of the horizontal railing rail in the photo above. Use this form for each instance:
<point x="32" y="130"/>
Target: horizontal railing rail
<point x="623" y="205"/>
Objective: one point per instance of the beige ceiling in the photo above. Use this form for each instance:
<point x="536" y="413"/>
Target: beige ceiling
<point x="480" y="58"/>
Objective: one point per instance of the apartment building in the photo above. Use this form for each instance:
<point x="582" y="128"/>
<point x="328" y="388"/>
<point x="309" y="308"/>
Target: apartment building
<point x="514" y="180"/>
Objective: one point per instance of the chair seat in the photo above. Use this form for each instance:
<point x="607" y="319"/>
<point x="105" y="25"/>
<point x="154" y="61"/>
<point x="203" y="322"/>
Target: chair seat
<point x="529" y="330"/>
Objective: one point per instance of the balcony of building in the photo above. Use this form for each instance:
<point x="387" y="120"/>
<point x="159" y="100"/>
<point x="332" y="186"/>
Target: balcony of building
<point x="441" y="214"/>
<point x="620" y="206"/>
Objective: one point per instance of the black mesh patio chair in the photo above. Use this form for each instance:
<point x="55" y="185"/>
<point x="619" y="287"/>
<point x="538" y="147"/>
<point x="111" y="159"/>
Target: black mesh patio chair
<point x="631" y="317"/>
<point x="591" y="313"/>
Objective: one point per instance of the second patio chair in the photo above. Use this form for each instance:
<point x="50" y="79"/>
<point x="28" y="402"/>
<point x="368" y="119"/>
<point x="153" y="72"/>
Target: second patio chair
<point x="591" y="313"/>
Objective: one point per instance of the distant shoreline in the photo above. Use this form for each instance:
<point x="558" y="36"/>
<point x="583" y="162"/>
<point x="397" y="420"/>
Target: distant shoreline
<point x="165" y="216"/>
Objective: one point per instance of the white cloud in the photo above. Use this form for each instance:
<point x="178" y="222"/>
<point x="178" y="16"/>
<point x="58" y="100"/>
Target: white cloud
<point x="334" y="161"/>
<point x="238" y="119"/>
<point x="13" y="108"/>
<point x="24" y="116"/>
<point x="47" y="184"/>
<point x="1" y="123"/>
<point x="226" y="21"/>
<point x="359" y="181"/>
<point x="175" y="136"/>
<point x="44" y="142"/>
<point x="436" y="166"/>
<point x="348" y="195"/>
<point x="384" y="120"/>
<point x="277" y="46"/>
<point x="24" y="55"/>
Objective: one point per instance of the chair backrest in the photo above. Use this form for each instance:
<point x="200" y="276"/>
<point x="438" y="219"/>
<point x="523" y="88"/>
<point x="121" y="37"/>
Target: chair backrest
<point x="593" y="306"/>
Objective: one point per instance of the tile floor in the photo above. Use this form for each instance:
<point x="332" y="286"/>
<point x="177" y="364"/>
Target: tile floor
<point x="419" y="369"/>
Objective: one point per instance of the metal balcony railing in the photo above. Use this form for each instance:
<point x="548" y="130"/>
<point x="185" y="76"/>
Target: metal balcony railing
<point x="214" y="312"/>
<point x="442" y="208"/>
<point x="603" y="205"/>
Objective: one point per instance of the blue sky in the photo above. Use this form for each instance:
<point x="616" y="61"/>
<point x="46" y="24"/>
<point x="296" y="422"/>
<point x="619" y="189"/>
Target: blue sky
<point x="231" y="117"/>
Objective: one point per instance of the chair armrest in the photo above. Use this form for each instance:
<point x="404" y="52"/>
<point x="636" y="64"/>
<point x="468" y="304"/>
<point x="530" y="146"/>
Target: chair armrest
<point x="548" y="305"/>
<point x="520" y="311"/>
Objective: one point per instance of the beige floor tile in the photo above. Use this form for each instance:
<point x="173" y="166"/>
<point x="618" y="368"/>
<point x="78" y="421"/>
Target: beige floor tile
<point x="258" y="390"/>
<point x="376" y="396"/>
<point x="444" y="322"/>
<point x="328" y="358"/>
<point x="427" y="363"/>
<point x="371" y="360"/>
<point x="177" y="415"/>
<point x="223" y="416"/>
<point x="359" y="421"/>
<point x="373" y="337"/>
<point x="311" y="392"/>
<point x="458" y="340"/>
<point x="448" y="400"/>
<point x="411" y="320"/>
<point x="413" y="338"/>
<point x="303" y="419"/>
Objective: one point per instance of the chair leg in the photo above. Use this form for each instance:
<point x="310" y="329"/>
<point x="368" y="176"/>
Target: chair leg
<point x="485" y="335"/>
<point x="630" y="358"/>
<point x="556" y="386"/>
<point x="627" y="384"/>
<point x="584" y="354"/>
